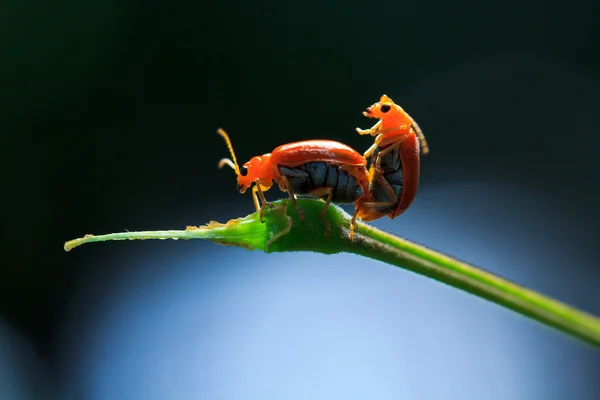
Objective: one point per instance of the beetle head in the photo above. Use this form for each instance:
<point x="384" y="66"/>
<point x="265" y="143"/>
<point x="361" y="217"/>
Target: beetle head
<point x="250" y="171"/>
<point x="256" y="168"/>
<point x="383" y="108"/>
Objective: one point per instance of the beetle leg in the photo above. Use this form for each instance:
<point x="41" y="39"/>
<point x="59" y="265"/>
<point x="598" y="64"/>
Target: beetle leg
<point x="377" y="169"/>
<point x="371" y="131"/>
<point x="371" y="149"/>
<point x="353" y="221"/>
<point x="255" y="197"/>
<point x="319" y="192"/>
<point x="288" y="187"/>
<point x="387" y="149"/>
<point x="257" y="189"/>
<point x="367" y="210"/>
<point x="388" y="189"/>
<point x="381" y="153"/>
<point x="375" y="204"/>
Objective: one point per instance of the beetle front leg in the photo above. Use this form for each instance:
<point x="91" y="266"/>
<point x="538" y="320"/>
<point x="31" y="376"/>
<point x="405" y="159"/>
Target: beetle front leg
<point x="257" y="189"/>
<point x="255" y="197"/>
<point x="373" y="130"/>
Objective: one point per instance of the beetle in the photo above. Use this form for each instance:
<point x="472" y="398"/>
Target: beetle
<point x="395" y="160"/>
<point x="318" y="168"/>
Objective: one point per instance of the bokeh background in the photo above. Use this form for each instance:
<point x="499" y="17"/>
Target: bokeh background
<point x="109" y="111"/>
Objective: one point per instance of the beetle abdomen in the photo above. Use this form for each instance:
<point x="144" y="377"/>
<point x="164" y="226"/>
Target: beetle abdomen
<point x="314" y="175"/>
<point x="392" y="171"/>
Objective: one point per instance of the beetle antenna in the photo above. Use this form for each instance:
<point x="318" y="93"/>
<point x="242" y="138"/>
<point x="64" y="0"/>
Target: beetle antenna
<point x="226" y="161"/>
<point x="422" y="140"/>
<point x="233" y="164"/>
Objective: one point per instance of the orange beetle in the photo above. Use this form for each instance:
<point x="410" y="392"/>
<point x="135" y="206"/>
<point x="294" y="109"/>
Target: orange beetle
<point x="395" y="160"/>
<point x="318" y="168"/>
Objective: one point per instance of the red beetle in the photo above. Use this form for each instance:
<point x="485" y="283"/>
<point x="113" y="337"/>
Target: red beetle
<point x="318" y="168"/>
<point x="395" y="160"/>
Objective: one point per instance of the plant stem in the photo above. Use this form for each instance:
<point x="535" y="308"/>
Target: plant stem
<point x="413" y="257"/>
<point x="283" y="231"/>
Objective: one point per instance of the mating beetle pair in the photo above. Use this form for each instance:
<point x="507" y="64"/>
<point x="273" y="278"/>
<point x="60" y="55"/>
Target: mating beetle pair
<point x="326" y="168"/>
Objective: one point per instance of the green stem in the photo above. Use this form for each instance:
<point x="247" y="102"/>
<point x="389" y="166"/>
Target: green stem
<point x="284" y="232"/>
<point x="413" y="257"/>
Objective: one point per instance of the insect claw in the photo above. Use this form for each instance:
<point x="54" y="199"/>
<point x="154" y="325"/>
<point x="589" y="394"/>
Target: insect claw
<point x="262" y="213"/>
<point x="263" y="209"/>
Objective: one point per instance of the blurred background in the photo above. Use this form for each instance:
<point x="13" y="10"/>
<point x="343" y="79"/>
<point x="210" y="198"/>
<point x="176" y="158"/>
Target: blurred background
<point x="109" y="111"/>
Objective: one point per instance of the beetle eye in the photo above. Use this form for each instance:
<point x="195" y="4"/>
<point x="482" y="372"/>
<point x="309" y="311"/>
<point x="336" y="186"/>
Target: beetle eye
<point x="385" y="108"/>
<point x="244" y="171"/>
